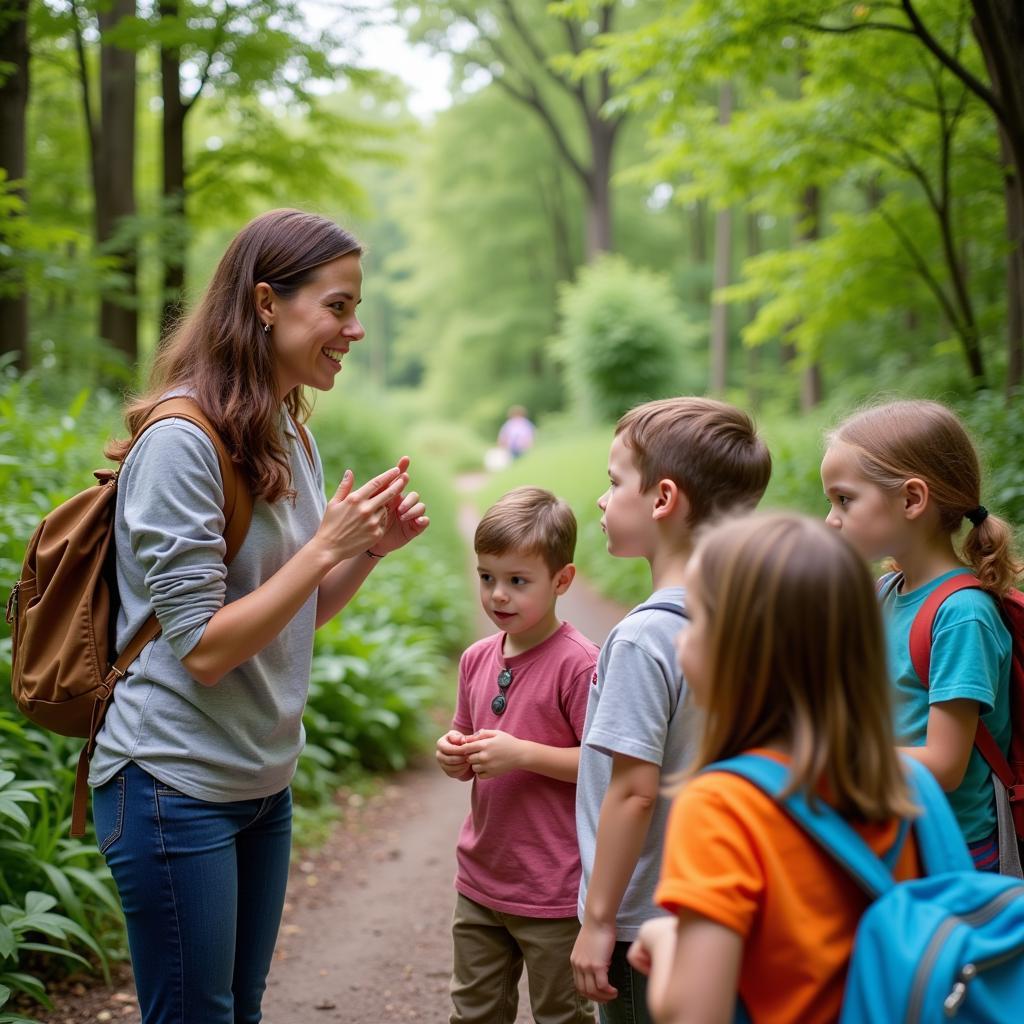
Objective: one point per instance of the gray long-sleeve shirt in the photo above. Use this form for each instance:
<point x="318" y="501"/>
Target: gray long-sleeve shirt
<point x="240" y="739"/>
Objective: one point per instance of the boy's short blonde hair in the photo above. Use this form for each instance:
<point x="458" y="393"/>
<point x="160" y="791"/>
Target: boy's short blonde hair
<point x="709" y="449"/>
<point x="530" y="521"/>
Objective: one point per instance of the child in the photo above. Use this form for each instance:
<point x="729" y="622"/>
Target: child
<point x="900" y="479"/>
<point x="674" y="465"/>
<point x="785" y="655"/>
<point x="516" y="734"/>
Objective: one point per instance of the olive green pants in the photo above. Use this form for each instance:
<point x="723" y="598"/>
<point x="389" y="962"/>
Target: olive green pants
<point x="490" y="950"/>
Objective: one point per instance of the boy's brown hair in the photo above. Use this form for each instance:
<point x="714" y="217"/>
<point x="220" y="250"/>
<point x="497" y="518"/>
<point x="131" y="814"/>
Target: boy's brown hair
<point x="709" y="449"/>
<point x="796" y="649"/>
<point x="530" y="521"/>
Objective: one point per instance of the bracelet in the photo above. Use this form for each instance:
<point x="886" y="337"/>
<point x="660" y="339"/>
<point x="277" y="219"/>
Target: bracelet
<point x="373" y="554"/>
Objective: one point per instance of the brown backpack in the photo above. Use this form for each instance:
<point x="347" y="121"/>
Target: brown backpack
<point x="63" y="610"/>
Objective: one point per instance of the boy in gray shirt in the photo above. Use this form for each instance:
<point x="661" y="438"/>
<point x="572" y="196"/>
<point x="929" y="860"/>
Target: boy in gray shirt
<point x="674" y="465"/>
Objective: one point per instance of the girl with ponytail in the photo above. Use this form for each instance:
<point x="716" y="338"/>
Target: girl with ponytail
<point x="902" y="480"/>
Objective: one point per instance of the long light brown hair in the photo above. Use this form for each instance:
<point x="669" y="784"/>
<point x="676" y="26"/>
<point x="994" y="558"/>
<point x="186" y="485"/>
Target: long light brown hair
<point x="796" y="656"/>
<point x="918" y="438"/>
<point x="222" y="355"/>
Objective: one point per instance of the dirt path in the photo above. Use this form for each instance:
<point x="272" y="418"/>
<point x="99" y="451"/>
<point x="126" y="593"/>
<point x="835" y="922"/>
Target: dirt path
<point x="366" y="931"/>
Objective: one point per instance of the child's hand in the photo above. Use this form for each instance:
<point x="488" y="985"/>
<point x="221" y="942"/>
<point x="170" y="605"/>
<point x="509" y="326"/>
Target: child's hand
<point x="590" y="959"/>
<point x="639" y="956"/>
<point x="491" y="753"/>
<point x="657" y="938"/>
<point x="451" y="756"/>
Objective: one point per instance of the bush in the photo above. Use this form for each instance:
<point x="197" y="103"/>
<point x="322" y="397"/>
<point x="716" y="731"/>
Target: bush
<point x="624" y="339"/>
<point x="997" y="426"/>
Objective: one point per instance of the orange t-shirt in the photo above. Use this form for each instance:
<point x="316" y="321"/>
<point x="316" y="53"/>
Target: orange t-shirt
<point x="733" y="855"/>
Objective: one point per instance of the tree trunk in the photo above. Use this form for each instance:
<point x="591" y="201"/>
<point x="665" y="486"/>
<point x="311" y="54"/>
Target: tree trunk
<point x="753" y="351"/>
<point x="809" y="231"/>
<point x="998" y="26"/>
<point x="599" y="187"/>
<point x="115" y="181"/>
<point x="723" y="265"/>
<point x="173" y="129"/>
<point x="14" y="87"/>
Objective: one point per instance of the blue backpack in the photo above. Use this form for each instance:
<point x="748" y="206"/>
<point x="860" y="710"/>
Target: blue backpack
<point x="946" y="946"/>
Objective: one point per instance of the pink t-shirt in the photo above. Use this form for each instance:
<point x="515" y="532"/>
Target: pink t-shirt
<point x="517" y="850"/>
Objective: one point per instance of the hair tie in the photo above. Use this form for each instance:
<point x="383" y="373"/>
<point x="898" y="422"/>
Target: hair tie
<point x="977" y="515"/>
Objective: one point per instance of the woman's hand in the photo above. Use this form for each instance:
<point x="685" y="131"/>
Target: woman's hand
<point x="406" y="518"/>
<point x="357" y="519"/>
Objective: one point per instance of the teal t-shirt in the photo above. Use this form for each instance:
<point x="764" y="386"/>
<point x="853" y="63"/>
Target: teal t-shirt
<point x="970" y="660"/>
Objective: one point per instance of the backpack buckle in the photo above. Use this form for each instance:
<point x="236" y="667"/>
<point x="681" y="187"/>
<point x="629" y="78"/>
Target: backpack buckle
<point x="12" y="603"/>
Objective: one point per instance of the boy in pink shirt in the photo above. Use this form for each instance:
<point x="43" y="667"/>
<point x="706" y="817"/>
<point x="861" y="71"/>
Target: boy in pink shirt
<point x="516" y="734"/>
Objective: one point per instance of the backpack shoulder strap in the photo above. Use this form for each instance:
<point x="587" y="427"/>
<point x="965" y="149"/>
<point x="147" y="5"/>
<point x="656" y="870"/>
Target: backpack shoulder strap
<point x="924" y="622"/>
<point x="661" y="606"/>
<point x="887" y="583"/>
<point x="940" y="842"/>
<point x="237" y="506"/>
<point x="921" y="658"/>
<point x="822" y="824"/>
<point x="237" y="496"/>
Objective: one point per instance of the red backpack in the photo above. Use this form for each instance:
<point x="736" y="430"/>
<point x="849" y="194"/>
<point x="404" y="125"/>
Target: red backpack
<point x="1008" y="768"/>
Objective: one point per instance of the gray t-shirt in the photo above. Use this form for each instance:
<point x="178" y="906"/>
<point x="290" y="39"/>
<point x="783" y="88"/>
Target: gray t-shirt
<point x="638" y="707"/>
<point x="240" y="739"/>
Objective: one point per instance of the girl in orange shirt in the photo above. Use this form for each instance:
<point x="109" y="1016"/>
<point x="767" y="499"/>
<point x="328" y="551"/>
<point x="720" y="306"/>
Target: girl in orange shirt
<point x="785" y="655"/>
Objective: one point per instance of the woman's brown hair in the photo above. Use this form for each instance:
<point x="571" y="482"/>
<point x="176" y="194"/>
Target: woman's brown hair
<point x="222" y="355"/>
<point x="796" y="656"/>
<point x="923" y="439"/>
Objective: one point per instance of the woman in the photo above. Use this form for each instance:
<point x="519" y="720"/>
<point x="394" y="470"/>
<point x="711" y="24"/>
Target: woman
<point x="193" y="763"/>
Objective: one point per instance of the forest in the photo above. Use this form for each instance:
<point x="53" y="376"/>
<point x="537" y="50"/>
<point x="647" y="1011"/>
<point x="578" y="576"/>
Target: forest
<point x="796" y="205"/>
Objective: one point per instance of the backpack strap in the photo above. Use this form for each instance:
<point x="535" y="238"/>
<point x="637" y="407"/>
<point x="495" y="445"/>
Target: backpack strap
<point x="822" y="824"/>
<point x="921" y="658"/>
<point x="661" y="606"/>
<point x="237" y="517"/>
<point x="887" y="583"/>
<point x="940" y="843"/>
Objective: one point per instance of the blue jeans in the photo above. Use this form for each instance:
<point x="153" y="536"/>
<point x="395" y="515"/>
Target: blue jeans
<point x="630" y="1005"/>
<point x="202" y="886"/>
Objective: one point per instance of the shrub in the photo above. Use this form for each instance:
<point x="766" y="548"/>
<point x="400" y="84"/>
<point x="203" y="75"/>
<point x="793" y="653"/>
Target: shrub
<point x="624" y="339"/>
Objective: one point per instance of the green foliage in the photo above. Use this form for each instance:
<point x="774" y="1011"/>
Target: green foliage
<point x="997" y="426"/>
<point x="624" y="339"/>
<point x="910" y="216"/>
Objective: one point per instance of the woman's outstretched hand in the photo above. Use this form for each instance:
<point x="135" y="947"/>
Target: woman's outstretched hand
<point x="406" y="519"/>
<point x="356" y="519"/>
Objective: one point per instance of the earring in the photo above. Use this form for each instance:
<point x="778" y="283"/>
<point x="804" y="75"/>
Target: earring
<point x="266" y="328"/>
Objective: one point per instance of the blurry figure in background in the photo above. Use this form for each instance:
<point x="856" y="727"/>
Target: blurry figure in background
<point x="516" y="434"/>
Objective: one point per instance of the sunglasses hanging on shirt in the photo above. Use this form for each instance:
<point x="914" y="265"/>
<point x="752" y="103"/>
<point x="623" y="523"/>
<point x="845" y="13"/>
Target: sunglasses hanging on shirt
<point x="500" y="702"/>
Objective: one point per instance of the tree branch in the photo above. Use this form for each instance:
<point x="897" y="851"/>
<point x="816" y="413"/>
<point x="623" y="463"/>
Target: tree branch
<point x="973" y="83"/>
<point x="921" y="266"/>
<point x="87" y="104"/>
<point x="536" y="50"/>
<point x="532" y="99"/>
<point x="218" y="37"/>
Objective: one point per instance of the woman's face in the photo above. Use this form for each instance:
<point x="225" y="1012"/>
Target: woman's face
<point x="312" y="331"/>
